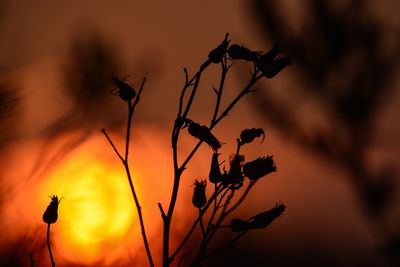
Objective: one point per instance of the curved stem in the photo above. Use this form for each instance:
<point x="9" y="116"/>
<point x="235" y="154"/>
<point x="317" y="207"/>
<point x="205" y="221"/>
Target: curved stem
<point x="53" y="264"/>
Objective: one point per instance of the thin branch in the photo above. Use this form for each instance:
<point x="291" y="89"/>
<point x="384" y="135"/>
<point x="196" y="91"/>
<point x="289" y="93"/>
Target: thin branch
<point x="224" y="71"/>
<point x="193" y="94"/>
<point x="230" y="244"/>
<point x="216" y="207"/>
<point x="203" y="231"/>
<point x="246" y="90"/>
<point x="131" y="110"/>
<point x="189" y="233"/>
<point x="137" y="99"/>
<point x="162" y="211"/>
<point x="242" y="198"/>
<point x="53" y="264"/>
<point x="112" y="144"/>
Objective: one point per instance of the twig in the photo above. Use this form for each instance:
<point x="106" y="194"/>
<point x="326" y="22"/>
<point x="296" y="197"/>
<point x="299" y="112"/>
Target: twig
<point x="242" y="198"/>
<point x="112" y="144"/>
<point x="131" y="110"/>
<point x="227" y="245"/>
<point x="202" y="223"/>
<point x="224" y="71"/>
<point x="53" y="264"/>
<point x="189" y="233"/>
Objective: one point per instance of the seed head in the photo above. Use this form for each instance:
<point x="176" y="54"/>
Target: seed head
<point x="248" y="135"/>
<point x="51" y="215"/>
<point x="263" y="219"/>
<point x="235" y="172"/>
<point x="238" y="225"/>
<point x="240" y="52"/>
<point x="203" y="133"/>
<point x="124" y="90"/>
<point x="216" y="55"/>
<point x="271" y="64"/>
<point x="215" y="175"/>
<point x="199" y="195"/>
<point x="258" y="168"/>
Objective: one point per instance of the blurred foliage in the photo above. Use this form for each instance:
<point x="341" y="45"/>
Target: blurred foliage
<point x="346" y="59"/>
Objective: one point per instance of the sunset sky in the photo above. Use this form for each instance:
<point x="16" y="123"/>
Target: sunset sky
<point x="51" y="143"/>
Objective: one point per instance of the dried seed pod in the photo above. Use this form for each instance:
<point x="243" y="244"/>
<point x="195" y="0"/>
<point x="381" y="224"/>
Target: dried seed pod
<point x="258" y="168"/>
<point x="215" y="174"/>
<point x="51" y="213"/>
<point x="194" y="129"/>
<point x="276" y="67"/>
<point x="263" y="219"/>
<point x="270" y="65"/>
<point x="268" y="58"/>
<point x="199" y="194"/>
<point x="124" y="90"/>
<point x="240" y="52"/>
<point x="225" y="178"/>
<point x="248" y="135"/>
<point x="203" y="133"/>
<point x="235" y="172"/>
<point x="238" y="225"/>
<point x="217" y="54"/>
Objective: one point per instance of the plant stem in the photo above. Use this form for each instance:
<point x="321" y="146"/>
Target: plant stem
<point x="178" y="170"/>
<point x="203" y="231"/>
<point x="131" y="110"/>
<point x="53" y="264"/>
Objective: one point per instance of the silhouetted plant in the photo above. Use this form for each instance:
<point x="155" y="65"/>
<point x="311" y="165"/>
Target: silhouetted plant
<point x="214" y="209"/>
<point x="50" y="216"/>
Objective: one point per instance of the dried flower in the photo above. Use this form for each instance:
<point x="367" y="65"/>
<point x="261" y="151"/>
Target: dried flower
<point x="124" y="90"/>
<point x="203" y="133"/>
<point x="270" y="65"/>
<point x="215" y="175"/>
<point x="216" y="55"/>
<point x="238" y="225"/>
<point x="199" y="195"/>
<point x="235" y="172"/>
<point x="258" y="168"/>
<point x="263" y="219"/>
<point x="51" y="215"/>
<point x="240" y="52"/>
<point x="248" y="135"/>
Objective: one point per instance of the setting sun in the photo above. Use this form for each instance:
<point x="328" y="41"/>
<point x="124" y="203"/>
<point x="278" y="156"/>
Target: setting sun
<point x="95" y="214"/>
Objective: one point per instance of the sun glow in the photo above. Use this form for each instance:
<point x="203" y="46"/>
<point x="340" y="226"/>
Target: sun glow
<point x="96" y="211"/>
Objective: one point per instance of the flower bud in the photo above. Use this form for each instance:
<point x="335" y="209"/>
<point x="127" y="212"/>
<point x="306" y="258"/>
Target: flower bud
<point x="199" y="195"/>
<point x="238" y="225"/>
<point x="203" y="133"/>
<point x="124" y="90"/>
<point x="235" y="172"/>
<point x="248" y="135"/>
<point x="263" y="219"/>
<point x="51" y="215"/>
<point x="216" y="55"/>
<point x="258" y="168"/>
<point x="240" y="52"/>
<point x="270" y="65"/>
<point x="215" y="175"/>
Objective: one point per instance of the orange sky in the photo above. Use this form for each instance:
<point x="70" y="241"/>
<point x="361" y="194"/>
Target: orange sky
<point x="158" y="39"/>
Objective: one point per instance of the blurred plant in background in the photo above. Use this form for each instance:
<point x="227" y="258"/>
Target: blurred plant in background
<point x="346" y="61"/>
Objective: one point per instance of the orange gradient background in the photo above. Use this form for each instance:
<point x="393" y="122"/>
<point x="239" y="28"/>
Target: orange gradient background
<point x="98" y="224"/>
